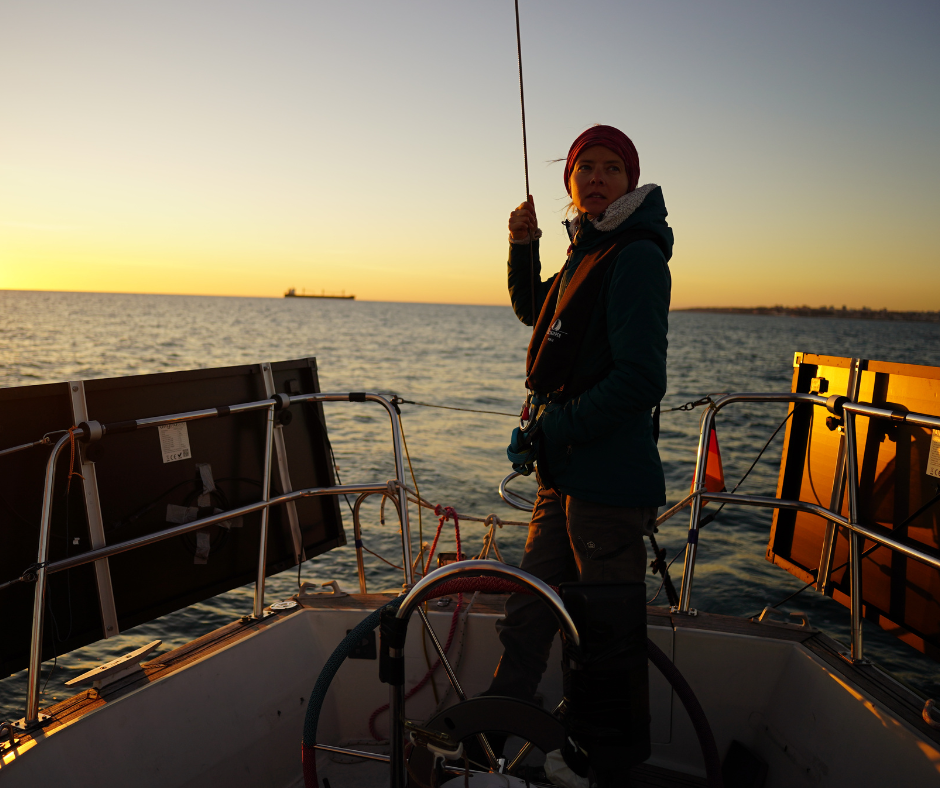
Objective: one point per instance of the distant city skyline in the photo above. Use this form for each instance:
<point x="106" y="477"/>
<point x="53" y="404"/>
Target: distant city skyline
<point x="243" y="149"/>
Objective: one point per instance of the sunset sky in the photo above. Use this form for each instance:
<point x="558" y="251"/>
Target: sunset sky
<point x="240" y="148"/>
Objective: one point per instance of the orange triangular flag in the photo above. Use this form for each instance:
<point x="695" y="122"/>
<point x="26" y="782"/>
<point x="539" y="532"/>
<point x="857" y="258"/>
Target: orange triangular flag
<point x="714" y="472"/>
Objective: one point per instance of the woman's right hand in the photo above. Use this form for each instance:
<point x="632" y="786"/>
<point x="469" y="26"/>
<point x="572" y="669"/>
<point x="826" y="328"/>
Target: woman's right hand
<point x="523" y="220"/>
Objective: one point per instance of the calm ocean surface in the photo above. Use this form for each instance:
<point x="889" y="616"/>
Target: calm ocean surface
<point x="462" y="356"/>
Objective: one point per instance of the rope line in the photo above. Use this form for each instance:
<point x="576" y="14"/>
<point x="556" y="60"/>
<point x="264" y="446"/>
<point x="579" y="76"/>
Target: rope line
<point x="72" y="471"/>
<point x="414" y="481"/>
<point x="383" y="560"/>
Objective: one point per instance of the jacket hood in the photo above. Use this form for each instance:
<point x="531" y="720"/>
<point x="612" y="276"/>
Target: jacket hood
<point x="643" y="209"/>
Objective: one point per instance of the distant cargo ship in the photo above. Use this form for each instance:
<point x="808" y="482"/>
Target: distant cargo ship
<point x="292" y="293"/>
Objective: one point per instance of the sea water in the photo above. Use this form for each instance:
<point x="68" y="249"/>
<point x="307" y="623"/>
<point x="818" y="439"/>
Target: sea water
<point x="468" y="357"/>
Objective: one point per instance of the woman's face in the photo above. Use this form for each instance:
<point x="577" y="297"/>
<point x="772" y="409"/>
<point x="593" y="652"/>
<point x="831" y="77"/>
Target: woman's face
<point x="599" y="177"/>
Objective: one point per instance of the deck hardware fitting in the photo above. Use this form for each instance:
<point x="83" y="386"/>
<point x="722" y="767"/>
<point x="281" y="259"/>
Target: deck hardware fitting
<point x="311" y="590"/>
<point x="931" y="713"/>
<point x="22" y="724"/>
<point x="794" y="620"/>
<point x="116" y="669"/>
<point x="847" y="656"/>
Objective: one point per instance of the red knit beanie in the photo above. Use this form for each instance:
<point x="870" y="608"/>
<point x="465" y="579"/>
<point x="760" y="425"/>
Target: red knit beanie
<point x="613" y="139"/>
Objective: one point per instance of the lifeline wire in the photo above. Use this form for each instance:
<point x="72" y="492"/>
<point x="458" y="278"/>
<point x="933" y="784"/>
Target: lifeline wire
<point x="691" y="405"/>
<point x="399" y="401"/>
<point x="525" y="159"/>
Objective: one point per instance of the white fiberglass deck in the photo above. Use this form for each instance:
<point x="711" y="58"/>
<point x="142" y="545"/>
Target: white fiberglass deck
<point x="229" y="709"/>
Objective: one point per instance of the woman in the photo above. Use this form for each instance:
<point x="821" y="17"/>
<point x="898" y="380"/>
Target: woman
<point x="598" y="358"/>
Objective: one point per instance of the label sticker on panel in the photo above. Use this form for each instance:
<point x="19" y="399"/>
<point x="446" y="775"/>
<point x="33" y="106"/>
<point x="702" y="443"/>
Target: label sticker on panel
<point x="174" y="442"/>
<point x="933" y="459"/>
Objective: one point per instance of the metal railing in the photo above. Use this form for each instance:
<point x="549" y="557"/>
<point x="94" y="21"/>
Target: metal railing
<point x="92" y="431"/>
<point x="847" y="410"/>
<point x="511" y="498"/>
<point x="839" y="406"/>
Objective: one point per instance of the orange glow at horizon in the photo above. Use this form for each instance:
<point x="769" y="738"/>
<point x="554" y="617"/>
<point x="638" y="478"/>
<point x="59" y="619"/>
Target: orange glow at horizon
<point x="798" y="155"/>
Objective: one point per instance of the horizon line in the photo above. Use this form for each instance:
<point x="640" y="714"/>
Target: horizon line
<point x="461" y="303"/>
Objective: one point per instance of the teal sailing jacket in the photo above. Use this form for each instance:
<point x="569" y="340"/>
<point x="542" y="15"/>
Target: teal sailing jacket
<point x="598" y="444"/>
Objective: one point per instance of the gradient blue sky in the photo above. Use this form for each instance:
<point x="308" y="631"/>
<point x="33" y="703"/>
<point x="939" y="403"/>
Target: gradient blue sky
<point x="245" y="147"/>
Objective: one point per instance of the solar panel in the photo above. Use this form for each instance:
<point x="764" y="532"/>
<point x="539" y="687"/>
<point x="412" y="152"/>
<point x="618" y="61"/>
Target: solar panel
<point x="146" y="480"/>
<point x="899" y="492"/>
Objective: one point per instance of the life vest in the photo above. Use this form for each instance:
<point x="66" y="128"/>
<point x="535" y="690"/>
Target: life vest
<point x="562" y="324"/>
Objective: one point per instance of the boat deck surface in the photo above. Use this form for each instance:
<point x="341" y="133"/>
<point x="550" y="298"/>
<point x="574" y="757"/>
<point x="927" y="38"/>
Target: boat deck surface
<point x="369" y="774"/>
<point x="904" y="703"/>
<point x="893" y="694"/>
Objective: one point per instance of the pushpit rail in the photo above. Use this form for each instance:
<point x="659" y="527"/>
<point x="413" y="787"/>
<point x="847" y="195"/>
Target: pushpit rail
<point x="845" y="409"/>
<point x="92" y="431"/>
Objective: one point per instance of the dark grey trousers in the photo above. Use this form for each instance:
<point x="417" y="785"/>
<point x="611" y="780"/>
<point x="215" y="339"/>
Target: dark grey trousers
<point x="569" y="539"/>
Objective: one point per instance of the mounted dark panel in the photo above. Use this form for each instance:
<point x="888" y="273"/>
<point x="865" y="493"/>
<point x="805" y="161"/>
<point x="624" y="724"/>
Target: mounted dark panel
<point x="145" y="485"/>
<point x="897" y="496"/>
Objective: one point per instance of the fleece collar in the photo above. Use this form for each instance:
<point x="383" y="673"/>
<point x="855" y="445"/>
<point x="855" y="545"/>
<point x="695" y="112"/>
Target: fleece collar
<point x="622" y="208"/>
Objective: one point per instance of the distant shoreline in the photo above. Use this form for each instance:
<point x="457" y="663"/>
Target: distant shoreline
<point x="830" y="312"/>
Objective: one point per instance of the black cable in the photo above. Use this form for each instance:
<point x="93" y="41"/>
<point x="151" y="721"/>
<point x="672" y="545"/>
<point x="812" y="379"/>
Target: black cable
<point x="336" y="470"/>
<point x="866" y="553"/>
<point x="13" y="511"/>
<point x="659" y="566"/>
<point x="189" y="540"/>
<point x="796" y="593"/>
<point x="244" y="479"/>
<point x="710" y="518"/>
<point x="663" y="583"/>
<point x="53" y="633"/>
<point x="68" y="572"/>
<point x="130" y="519"/>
